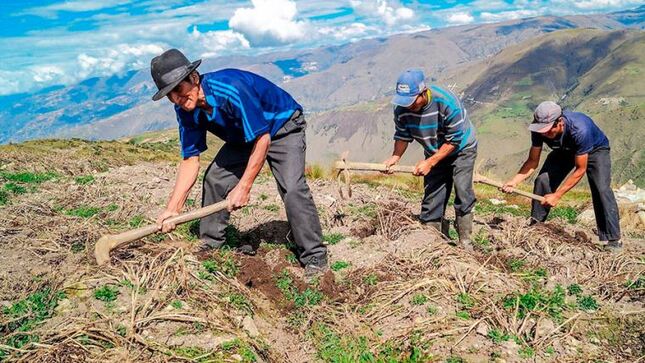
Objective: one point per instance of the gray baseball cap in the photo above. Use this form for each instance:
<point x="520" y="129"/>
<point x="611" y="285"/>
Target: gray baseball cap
<point x="545" y="116"/>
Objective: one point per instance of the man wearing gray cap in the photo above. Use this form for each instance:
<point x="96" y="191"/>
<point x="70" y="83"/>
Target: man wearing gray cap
<point x="577" y="144"/>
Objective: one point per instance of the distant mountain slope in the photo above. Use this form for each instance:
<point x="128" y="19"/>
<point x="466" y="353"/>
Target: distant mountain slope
<point x="321" y="79"/>
<point x="594" y="71"/>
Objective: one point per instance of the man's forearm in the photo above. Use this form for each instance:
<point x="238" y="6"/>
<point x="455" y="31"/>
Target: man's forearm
<point x="256" y="161"/>
<point x="399" y="148"/>
<point x="571" y="181"/>
<point x="444" y="150"/>
<point x="525" y="171"/>
<point x="186" y="177"/>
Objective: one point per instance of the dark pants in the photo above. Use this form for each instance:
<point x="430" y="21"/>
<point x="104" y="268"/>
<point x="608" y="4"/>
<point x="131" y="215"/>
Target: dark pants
<point x="458" y="170"/>
<point x="286" y="158"/>
<point x="556" y="168"/>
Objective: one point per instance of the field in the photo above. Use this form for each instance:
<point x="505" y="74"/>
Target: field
<point x="396" y="291"/>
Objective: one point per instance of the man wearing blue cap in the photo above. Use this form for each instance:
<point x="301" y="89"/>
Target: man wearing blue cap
<point x="578" y="145"/>
<point x="258" y="121"/>
<point x="436" y="119"/>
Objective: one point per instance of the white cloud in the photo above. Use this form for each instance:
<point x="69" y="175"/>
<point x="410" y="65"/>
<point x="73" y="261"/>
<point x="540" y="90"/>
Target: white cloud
<point x="269" y="22"/>
<point x="391" y="13"/>
<point x="51" y="11"/>
<point x="47" y="73"/>
<point x="460" y="18"/>
<point x="352" y="31"/>
<point x="116" y="59"/>
<point x="508" y="15"/>
<point x="602" y="4"/>
<point x="214" y="42"/>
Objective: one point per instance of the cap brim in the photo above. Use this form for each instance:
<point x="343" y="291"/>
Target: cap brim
<point x="404" y="101"/>
<point x="541" y="128"/>
<point x="164" y="91"/>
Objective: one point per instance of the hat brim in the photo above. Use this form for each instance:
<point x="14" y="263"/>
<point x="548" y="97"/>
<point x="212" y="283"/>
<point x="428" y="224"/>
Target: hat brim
<point x="164" y="91"/>
<point x="404" y="101"/>
<point x="541" y="128"/>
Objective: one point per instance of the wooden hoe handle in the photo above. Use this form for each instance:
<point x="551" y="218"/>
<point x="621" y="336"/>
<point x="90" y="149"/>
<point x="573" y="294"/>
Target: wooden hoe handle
<point x="109" y="242"/>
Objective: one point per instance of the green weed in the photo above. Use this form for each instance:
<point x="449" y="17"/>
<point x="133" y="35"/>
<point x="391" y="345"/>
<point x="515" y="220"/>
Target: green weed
<point x="574" y="289"/>
<point x="82" y="212"/>
<point x="419" y="299"/>
<point x="106" y="293"/>
<point x="309" y="297"/>
<point x="587" y="303"/>
<point x="291" y="258"/>
<point x="465" y="301"/>
<point x="176" y="304"/>
<point x="526" y="352"/>
<point x="538" y="300"/>
<point x="223" y="262"/>
<point x="25" y="315"/>
<point x="497" y="336"/>
<point x="15" y="188"/>
<point x="136" y="221"/>
<point x="4" y="197"/>
<point x="239" y="302"/>
<point x="462" y="314"/>
<point x="370" y="280"/>
<point x="339" y="265"/>
<point x="570" y="214"/>
<point x="333" y="238"/>
<point x="84" y="180"/>
<point x="432" y="310"/>
<point x="515" y="264"/>
<point x="28" y="177"/>
<point x="272" y="208"/>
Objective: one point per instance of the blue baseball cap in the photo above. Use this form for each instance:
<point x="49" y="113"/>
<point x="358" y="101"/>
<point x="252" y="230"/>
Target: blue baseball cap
<point x="409" y="85"/>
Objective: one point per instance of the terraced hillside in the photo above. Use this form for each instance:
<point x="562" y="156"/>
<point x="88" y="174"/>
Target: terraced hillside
<point x="396" y="290"/>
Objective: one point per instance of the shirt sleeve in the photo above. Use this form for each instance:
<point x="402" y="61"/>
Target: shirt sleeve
<point x="400" y="131"/>
<point x="192" y="139"/>
<point x="536" y="139"/>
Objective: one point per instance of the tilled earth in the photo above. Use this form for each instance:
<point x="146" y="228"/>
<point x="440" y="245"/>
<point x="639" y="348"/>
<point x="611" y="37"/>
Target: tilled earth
<point x="396" y="291"/>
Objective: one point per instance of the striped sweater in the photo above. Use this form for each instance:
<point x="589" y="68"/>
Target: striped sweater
<point x="443" y="119"/>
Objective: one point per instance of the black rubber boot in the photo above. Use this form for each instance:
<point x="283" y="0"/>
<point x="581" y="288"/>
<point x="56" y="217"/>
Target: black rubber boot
<point x="464" y="226"/>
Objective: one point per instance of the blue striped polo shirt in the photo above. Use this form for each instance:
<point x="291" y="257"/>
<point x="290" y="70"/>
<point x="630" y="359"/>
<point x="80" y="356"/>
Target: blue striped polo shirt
<point x="245" y="106"/>
<point x="443" y="119"/>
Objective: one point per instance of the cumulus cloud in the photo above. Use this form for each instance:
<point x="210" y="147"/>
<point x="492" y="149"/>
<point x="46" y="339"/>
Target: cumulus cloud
<point x="212" y="43"/>
<point x="602" y="4"/>
<point x="269" y="22"/>
<point x="460" y="18"/>
<point x="391" y="13"/>
<point x="117" y="59"/>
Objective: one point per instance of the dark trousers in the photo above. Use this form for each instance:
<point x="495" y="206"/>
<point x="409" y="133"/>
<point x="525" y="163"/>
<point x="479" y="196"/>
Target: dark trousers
<point x="558" y="165"/>
<point x="458" y="170"/>
<point x="286" y="158"/>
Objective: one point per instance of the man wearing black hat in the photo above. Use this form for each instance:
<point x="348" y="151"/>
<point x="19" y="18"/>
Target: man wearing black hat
<point x="258" y="121"/>
<point x="578" y="145"/>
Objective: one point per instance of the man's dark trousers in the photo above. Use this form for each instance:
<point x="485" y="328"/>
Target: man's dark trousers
<point x="286" y="158"/>
<point x="558" y="165"/>
<point x="455" y="169"/>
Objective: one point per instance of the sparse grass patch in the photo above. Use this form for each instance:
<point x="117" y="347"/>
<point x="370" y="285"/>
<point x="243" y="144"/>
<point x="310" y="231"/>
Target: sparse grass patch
<point x="189" y="230"/>
<point x="315" y="171"/>
<point x="370" y="280"/>
<point x="272" y="208"/>
<point x="538" y="300"/>
<point x="82" y="211"/>
<point x="23" y="316"/>
<point x="526" y="352"/>
<point x="239" y="302"/>
<point x="176" y="304"/>
<point x="84" y="180"/>
<point x="333" y="238"/>
<point x="136" y="221"/>
<point x="4" y="197"/>
<point x="309" y="297"/>
<point x="462" y="314"/>
<point x="223" y="262"/>
<point x="465" y="301"/>
<point x="15" y="188"/>
<point x="28" y="177"/>
<point x="570" y="214"/>
<point x="574" y="289"/>
<point x="515" y="264"/>
<point x="367" y="210"/>
<point x="497" y="336"/>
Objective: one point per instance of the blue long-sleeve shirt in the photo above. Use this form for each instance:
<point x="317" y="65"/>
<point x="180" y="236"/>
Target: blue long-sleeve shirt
<point x="442" y="120"/>
<point x="245" y="106"/>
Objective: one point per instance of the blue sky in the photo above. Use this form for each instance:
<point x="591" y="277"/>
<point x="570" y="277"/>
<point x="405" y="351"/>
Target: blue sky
<point x="48" y="42"/>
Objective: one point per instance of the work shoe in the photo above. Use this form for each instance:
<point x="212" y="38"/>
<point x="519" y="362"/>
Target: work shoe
<point x="614" y="246"/>
<point x="464" y="226"/>
<point x="315" y="268"/>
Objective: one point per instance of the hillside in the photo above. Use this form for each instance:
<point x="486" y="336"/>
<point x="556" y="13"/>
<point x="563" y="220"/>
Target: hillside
<point x="593" y="71"/>
<point x="321" y="79"/>
<point x="396" y="292"/>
